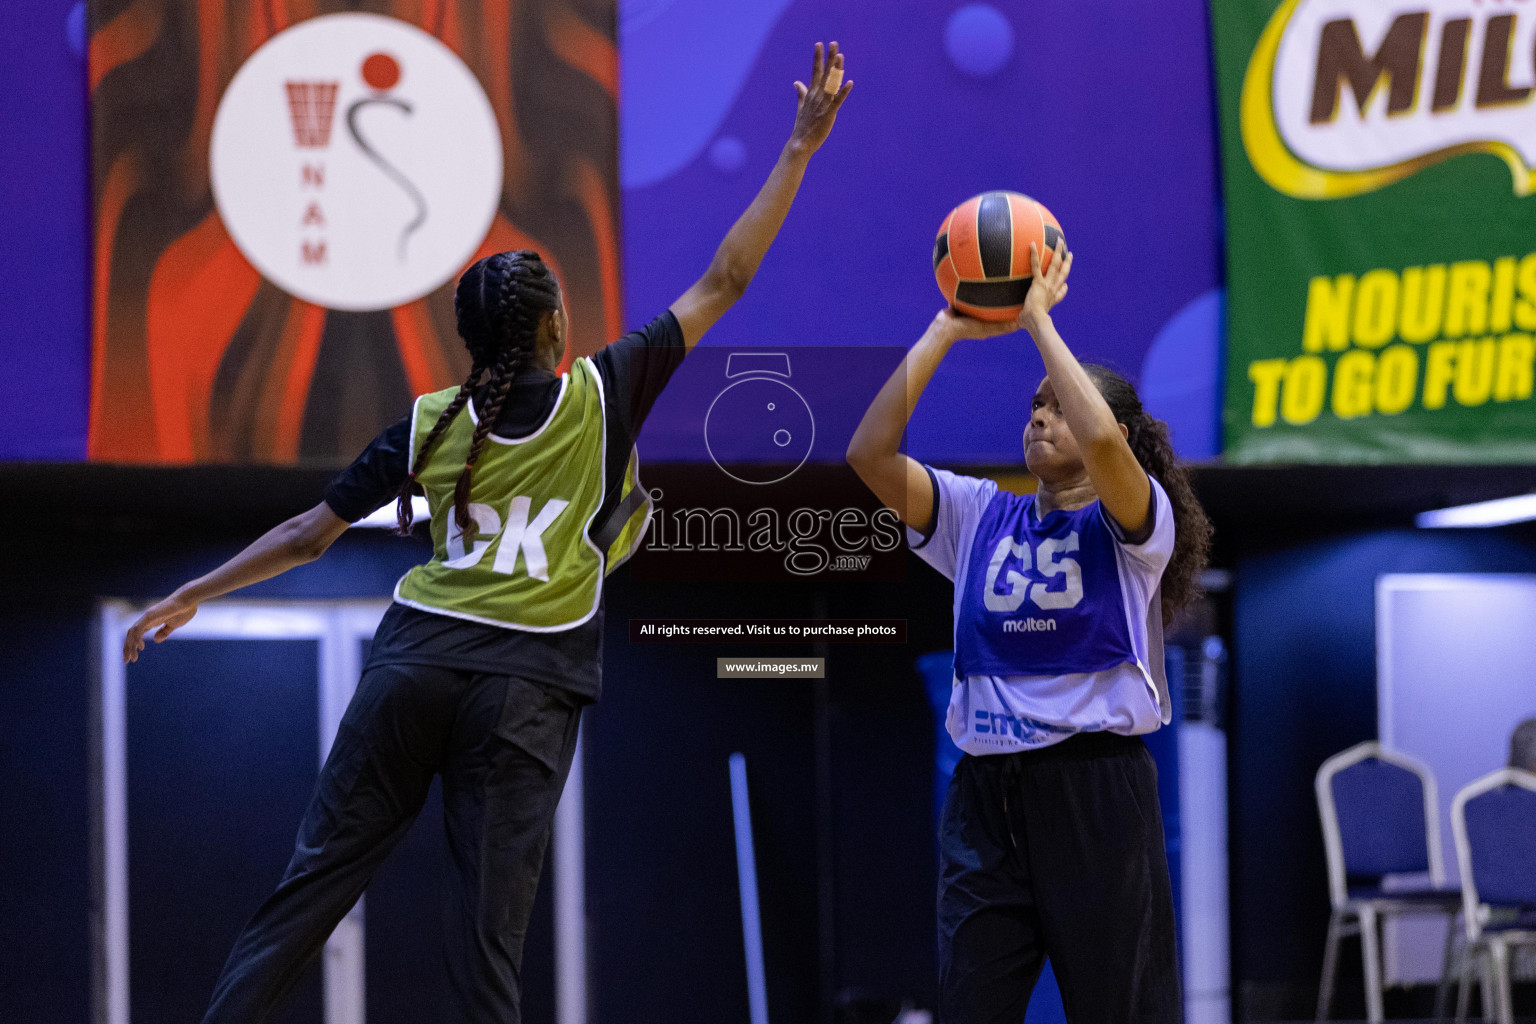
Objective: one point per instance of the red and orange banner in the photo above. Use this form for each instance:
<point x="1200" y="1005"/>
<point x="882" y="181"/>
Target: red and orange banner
<point x="285" y="192"/>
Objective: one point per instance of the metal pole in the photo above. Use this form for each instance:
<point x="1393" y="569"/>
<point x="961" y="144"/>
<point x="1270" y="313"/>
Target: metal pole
<point x="571" y="896"/>
<point x="826" y="868"/>
<point x="746" y="873"/>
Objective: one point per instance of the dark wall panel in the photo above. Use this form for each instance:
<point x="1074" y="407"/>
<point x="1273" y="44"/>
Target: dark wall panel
<point x="223" y="752"/>
<point x="46" y="702"/>
<point x="846" y="868"/>
<point x="45" y="842"/>
<point x="666" y="939"/>
<point x="665" y="928"/>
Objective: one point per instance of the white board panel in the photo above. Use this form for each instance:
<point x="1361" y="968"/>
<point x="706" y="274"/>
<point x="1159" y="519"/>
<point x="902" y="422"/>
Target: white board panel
<point x="1456" y="672"/>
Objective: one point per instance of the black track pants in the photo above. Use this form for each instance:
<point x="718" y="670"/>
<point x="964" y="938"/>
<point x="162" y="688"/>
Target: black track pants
<point x="1056" y="852"/>
<point x="503" y="746"/>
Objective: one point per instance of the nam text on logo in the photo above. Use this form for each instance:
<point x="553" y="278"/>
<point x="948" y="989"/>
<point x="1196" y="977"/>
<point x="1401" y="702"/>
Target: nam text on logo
<point x="1029" y="626"/>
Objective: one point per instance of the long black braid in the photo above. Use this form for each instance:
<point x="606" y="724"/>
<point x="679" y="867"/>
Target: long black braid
<point x="1150" y="443"/>
<point x="499" y="303"/>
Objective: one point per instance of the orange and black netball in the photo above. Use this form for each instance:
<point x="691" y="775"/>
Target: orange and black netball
<point x="981" y="257"/>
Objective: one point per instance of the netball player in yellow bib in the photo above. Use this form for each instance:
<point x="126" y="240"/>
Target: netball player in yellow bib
<point x="481" y="666"/>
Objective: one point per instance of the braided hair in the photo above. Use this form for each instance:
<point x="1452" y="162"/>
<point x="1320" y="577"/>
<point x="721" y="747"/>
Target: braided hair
<point x="1150" y="443"/>
<point x="499" y="304"/>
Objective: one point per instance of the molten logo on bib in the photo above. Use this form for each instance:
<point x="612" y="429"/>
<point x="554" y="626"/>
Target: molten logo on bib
<point x="356" y="162"/>
<point x="1343" y="97"/>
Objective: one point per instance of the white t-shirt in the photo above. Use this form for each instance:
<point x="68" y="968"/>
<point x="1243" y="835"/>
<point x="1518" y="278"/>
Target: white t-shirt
<point x="992" y="714"/>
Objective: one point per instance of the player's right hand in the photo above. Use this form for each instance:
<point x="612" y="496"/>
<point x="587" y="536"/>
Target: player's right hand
<point x="169" y="615"/>
<point x="1045" y="290"/>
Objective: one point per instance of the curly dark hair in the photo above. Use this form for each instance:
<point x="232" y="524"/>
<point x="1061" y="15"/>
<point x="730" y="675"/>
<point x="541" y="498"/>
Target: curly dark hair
<point x="499" y="304"/>
<point x="1149" y="441"/>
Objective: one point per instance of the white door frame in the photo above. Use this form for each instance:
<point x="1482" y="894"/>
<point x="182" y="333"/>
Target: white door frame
<point x="338" y="626"/>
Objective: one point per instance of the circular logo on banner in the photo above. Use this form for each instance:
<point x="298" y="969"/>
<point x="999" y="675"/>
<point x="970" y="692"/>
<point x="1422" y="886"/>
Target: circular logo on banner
<point x="356" y="162"/>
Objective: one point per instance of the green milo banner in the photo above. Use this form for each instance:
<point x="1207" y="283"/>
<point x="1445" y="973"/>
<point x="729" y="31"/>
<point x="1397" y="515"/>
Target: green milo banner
<point x="1378" y="164"/>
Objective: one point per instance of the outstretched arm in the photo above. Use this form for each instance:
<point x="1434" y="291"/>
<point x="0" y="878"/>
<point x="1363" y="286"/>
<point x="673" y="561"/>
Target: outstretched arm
<point x="875" y="452"/>
<point x="1118" y="479"/>
<point x="301" y="539"/>
<point x="742" y="251"/>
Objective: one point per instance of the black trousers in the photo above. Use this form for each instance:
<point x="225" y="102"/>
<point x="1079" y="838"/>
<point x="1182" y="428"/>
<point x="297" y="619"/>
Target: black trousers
<point x="503" y="746"/>
<point x="1057" y="853"/>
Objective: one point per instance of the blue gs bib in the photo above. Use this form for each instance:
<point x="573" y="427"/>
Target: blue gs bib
<point x="1041" y="597"/>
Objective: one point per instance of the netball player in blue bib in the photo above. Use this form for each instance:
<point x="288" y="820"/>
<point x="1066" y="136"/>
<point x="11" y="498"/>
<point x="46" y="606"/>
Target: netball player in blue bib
<point x="1051" y="840"/>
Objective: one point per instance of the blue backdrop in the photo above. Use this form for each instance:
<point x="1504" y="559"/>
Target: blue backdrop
<point x="1101" y="110"/>
<point x="44" y="258"/>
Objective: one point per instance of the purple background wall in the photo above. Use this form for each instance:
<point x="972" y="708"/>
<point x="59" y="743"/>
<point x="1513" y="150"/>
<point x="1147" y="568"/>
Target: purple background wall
<point x="44" y="251"/>
<point x="1101" y="110"/>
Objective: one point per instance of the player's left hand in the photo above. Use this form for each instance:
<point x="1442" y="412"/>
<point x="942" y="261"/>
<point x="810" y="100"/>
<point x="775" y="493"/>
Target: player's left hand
<point x="170" y="615"/>
<point x="821" y="100"/>
<point x="954" y="325"/>
<point x="1045" y="290"/>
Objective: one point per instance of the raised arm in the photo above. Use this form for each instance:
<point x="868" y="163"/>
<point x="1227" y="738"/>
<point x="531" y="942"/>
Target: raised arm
<point x="301" y="539"/>
<point x="1118" y="479"/>
<point x="741" y="252"/>
<point x="874" y="451"/>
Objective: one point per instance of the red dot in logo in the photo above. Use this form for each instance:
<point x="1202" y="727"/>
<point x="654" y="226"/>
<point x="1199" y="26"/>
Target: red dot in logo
<point x="381" y="71"/>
